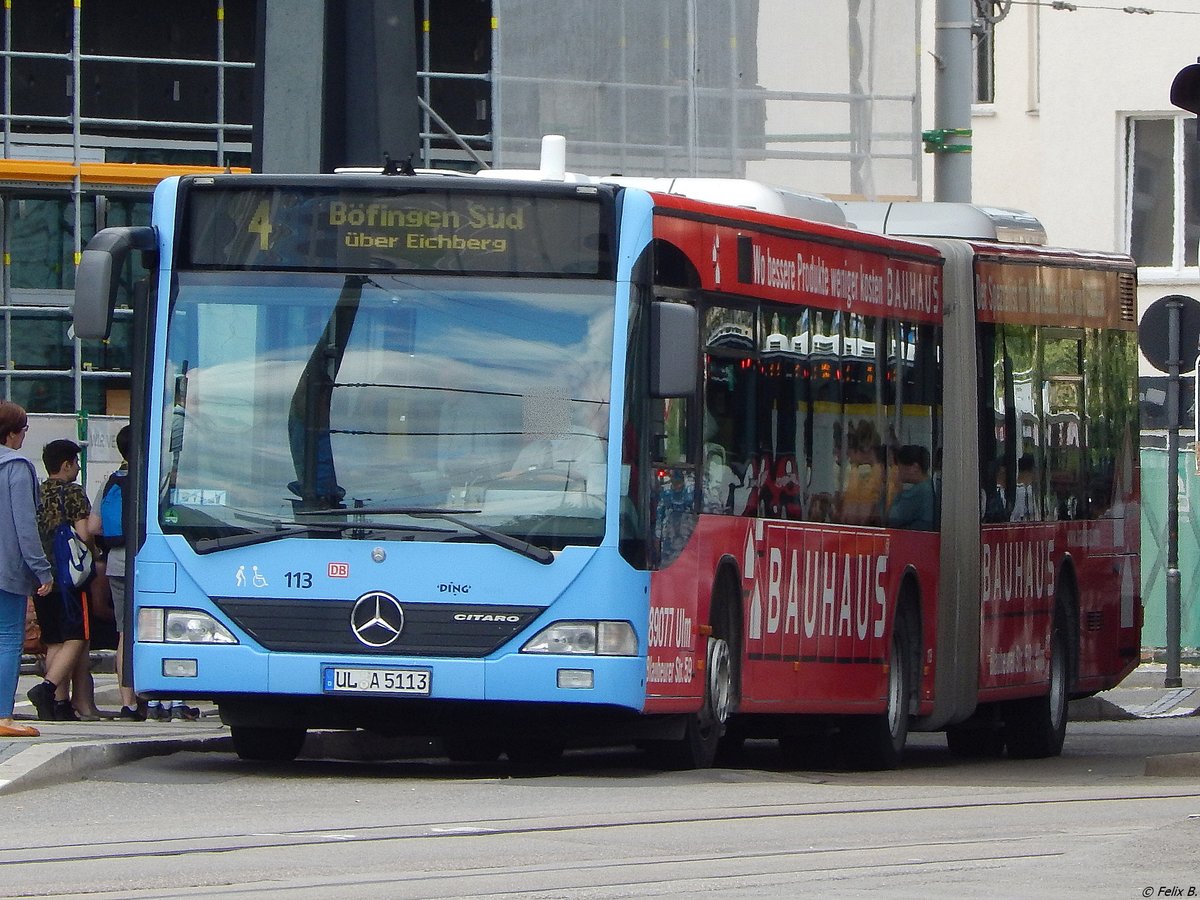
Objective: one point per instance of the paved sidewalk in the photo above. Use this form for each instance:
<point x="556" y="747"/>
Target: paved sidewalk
<point x="70" y="750"/>
<point x="1143" y="695"/>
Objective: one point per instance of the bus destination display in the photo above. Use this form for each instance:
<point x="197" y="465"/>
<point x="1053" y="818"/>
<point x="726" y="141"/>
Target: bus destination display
<point x="306" y="228"/>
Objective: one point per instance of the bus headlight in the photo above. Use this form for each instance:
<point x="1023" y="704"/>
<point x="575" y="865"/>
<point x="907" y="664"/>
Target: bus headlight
<point x="588" y="638"/>
<point x="180" y="626"/>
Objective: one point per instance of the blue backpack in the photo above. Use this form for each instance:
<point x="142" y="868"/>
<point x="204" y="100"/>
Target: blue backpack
<point x="112" y="529"/>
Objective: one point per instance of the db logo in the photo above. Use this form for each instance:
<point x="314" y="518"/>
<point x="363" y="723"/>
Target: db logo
<point x="339" y="570"/>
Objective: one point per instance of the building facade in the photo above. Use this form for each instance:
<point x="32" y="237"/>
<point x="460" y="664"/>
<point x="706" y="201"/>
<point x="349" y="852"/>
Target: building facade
<point x="1074" y="123"/>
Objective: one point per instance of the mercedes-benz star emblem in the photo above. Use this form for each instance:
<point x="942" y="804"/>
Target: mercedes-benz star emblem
<point x="377" y="619"/>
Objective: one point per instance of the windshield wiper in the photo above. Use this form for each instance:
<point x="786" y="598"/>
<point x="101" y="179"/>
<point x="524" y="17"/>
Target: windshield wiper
<point x="499" y="538"/>
<point x="229" y="541"/>
<point x="280" y="530"/>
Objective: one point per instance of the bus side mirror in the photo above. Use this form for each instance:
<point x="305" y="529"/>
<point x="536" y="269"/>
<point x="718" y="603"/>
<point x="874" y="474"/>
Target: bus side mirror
<point x="99" y="274"/>
<point x="674" y="331"/>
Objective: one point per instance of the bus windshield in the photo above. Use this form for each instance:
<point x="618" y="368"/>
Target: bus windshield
<point x="293" y="399"/>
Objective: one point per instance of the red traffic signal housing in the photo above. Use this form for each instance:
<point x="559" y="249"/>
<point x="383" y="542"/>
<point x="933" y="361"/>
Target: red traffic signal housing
<point x="1185" y="89"/>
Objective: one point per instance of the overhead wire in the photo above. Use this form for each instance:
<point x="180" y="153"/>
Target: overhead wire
<point x="1069" y="6"/>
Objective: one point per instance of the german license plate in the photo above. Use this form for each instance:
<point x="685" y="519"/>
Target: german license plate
<point x="376" y="681"/>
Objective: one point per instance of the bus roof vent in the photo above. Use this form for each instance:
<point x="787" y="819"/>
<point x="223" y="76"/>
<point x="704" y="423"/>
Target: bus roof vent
<point x="743" y="193"/>
<point x="1127" y="291"/>
<point x="950" y="220"/>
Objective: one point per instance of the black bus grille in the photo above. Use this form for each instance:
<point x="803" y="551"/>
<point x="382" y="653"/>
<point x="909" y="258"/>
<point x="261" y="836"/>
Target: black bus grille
<point x="430" y="629"/>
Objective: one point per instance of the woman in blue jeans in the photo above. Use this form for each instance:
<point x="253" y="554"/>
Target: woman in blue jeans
<point x="23" y="566"/>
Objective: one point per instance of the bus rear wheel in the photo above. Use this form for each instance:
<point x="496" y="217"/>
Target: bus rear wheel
<point x="267" y="744"/>
<point x="877" y="742"/>
<point x="1036" y="727"/>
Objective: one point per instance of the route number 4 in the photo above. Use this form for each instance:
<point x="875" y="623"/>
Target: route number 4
<point x="260" y="224"/>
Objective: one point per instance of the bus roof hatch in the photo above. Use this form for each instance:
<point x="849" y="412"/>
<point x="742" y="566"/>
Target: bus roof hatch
<point x="947" y="220"/>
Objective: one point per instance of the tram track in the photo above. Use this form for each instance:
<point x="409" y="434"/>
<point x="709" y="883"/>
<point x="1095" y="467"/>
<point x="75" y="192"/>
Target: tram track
<point x="148" y="851"/>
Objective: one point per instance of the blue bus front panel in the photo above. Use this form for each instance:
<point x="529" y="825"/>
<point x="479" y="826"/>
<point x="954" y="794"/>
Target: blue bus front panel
<point x="289" y="643"/>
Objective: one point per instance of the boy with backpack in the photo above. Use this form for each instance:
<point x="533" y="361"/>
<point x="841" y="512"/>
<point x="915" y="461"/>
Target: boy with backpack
<point x="107" y="524"/>
<point x="67" y="693"/>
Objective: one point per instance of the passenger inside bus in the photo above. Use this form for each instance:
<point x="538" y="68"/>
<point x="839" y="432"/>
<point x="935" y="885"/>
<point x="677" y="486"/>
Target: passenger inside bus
<point x="993" y="502"/>
<point x="914" y="505"/>
<point x="719" y="480"/>
<point x="1025" y="506"/>
<point x="863" y="493"/>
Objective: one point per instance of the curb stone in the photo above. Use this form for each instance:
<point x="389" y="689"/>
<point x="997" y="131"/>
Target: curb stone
<point x="1096" y="709"/>
<point x="49" y="763"/>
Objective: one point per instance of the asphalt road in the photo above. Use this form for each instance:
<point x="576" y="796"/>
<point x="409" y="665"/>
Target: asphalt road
<point x="1088" y="824"/>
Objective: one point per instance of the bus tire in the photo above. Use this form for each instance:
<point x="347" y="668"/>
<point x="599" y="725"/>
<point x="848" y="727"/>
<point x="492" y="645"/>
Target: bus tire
<point x="697" y="748"/>
<point x="731" y="749"/>
<point x="267" y="744"/>
<point x="877" y="742"/>
<point x="1036" y="727"/>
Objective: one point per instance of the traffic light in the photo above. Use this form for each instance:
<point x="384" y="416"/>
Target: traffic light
<point x="1185" y="89"/>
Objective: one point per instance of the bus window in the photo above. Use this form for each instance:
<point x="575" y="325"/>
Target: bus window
<point x="1062" y="389"/>
<point x="730" y="379"/>
<point x="723" y="379"/>
<point x="914" y="412"/>
<point x="861" y="492"/>
<point x="781" y="419"/>
<point x="675" y="482"/>
<point x="1024" y="439"/>
<point x="635" y="446"/>
<point x="1108" y="375"/>
<point x="994" y="411"/>
<point x="825" y="390"/>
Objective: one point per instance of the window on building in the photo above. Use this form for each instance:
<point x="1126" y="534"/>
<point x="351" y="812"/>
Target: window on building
<point x="985" y="61"/>
<point x="39" y="241"/>
<point x="1162" y="199"/>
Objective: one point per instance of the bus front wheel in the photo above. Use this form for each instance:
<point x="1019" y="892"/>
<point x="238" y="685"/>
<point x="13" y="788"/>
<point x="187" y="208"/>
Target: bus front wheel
<point x="267" y="744"/>
<point x="697" y="748"/>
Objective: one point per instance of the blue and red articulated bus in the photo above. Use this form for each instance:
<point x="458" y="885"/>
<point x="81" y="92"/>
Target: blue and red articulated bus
<point x="525" y="463"/>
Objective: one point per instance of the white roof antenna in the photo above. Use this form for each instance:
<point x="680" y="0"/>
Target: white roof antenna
<point x="553" y="166"/>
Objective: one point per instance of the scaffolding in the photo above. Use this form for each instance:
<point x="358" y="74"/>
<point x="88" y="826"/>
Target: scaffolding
<point x="50" y="157"/>
<point x="757" y="89"/>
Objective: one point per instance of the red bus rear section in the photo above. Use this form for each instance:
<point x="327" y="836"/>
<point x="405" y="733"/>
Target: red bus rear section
<point x="1010" y="364"/>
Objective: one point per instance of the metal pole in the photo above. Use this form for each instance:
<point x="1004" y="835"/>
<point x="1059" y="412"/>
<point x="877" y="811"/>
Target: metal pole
<point x="1174" y="313"/>
<point x="77" y="184"/>
<point x="693" y="127"/>
<point x="952" y="101"/>
<point x="426" y="85"/>
<point x="220" y="82"/>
